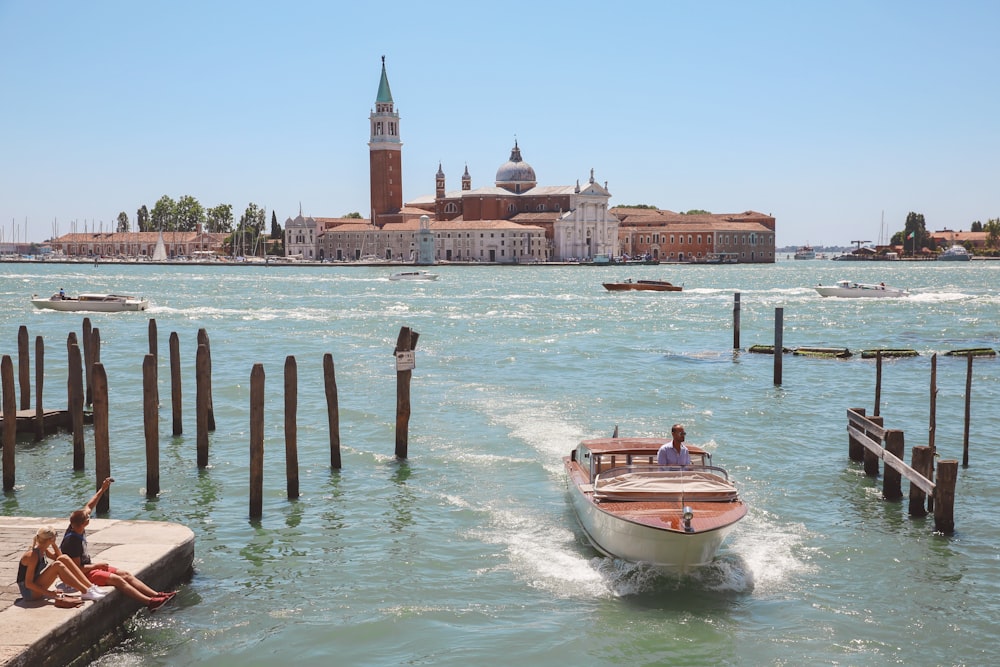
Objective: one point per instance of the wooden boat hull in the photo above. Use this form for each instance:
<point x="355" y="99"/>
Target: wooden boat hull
<point x="636" y="512"/>
<point x="643" y="286"/>
<point x="92" y="303"/>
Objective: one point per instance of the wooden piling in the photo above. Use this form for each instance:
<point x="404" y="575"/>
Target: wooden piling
<point x="39" y="382"/>
<point x="156" y="358"/>
<point x="892" y="479"/>
<point x="921" y="461"/>
<point x="176" y="404"/>
<point x="75" y="392"/>
<point x="779" y="316"/>
<point x="968" y="412"/>
<point x="24" y="367"/>
<point x="869" y="457"/>
<point x="736" y="321"/>
<point x="291" y="427"/>
<point x="405" y="342"/>
<point x="932" y="428"/>
<point x="95" y="358"/>
<point x="202" y="399"/>
<point x="151" y="426"/>
<point x="878" y="381"/>
<point x="332" y="409"/>
<point x="203" y="340"/>
<point x="9" y="420"/>
<point x="102" y="445"/>
<point x="88" y="359"/>
<point x="855" y="450"/>
<point x="256" y="441"/>
<point x="944" y="496"/>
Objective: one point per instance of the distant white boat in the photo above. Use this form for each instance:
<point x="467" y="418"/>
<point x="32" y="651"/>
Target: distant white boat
<point x="98" y="303"/>
<point x="805" y="252"/>
<point x="956" y="253"/>
<point x="413" y="275"/>
<point x="849" y="289"/>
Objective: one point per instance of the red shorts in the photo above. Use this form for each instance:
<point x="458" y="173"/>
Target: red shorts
<point x="100" y="577"/>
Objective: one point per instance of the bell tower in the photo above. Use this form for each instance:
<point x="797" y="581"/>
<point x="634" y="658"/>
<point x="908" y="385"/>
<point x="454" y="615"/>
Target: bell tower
<point x="384" y="151"/>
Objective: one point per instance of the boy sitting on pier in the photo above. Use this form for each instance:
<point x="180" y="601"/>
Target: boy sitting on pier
<point x="74" y="544"/>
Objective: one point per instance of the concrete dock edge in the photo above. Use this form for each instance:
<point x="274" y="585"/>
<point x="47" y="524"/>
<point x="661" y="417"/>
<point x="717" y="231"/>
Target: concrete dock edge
<point x="40" y="634"/>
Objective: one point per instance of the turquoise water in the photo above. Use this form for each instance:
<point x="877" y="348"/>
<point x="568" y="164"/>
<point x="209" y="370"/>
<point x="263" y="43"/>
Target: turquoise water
<point x="468" y="553"/>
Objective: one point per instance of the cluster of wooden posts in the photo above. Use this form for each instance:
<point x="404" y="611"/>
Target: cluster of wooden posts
<point x="94" y="392"/>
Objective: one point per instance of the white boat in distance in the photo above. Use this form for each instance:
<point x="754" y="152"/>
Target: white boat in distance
<point x="849" y="289"/>
<point x="413" y="275"/>
<point x="956" y="253"/>
<point x="671" y="517"/>
<point x="805" y="252"/>
<point x="97" y="303"/>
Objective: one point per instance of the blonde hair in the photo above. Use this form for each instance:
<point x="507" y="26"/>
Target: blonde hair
<point x="44" y="534"/>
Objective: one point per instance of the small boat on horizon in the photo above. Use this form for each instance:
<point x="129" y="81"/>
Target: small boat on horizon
<point x="850" y="289"/>
<point x="671" y="517"/>
<point x="97" y="303"/>
<point x="643" y="285"/>
<point x="955" y="253"/>
<point x="413" y="275"/>
<point x="805" y="252"/>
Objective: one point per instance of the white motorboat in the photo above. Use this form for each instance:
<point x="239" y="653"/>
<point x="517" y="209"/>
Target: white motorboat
<point x="672" y="517"/>
<point x="98" y="303"/>
<point x="805" y="252"/>
<point x="956" y="253"/>
<point x="413" y="275"/>
<point x="849" y="289"/>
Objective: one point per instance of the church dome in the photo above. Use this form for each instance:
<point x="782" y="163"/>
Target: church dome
<point x="515" y="174"/>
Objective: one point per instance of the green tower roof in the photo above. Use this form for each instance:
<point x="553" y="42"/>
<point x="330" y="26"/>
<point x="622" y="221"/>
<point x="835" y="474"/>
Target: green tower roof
<point x="384" y="94"/>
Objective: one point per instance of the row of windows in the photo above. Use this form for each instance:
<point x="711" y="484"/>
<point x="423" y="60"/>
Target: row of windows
<point x="753" y="239"/>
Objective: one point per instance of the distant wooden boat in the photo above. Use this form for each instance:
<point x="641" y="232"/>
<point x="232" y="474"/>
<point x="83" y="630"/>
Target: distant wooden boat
<point x="643" y="285"/>
<point x="671" y="517"/>
<point x="97" y="303"/>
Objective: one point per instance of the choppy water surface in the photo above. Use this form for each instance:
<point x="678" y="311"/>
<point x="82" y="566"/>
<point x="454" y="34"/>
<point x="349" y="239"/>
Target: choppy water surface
<point x="468" y="552"/>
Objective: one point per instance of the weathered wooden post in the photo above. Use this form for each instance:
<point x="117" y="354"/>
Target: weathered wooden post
<point x="9" y="421"/>
<point x="256" y="441"/>
<point x="152" y="350"/>
<point x="291" y="427"/>
<point x="878" y="381"/>
<point x="151" y="426"/>
<point x="332" y="409"/>
<point x="855" y="450"/>
<point x="88" y="359"/>
<point x="892" y="479"/>
<point x="736" y="321"/>
<point x="202" y="399"/>
<point x="968" y="412"/>
<point x="75" y="391"/>
<point x="203" y="340"/>
<point x="24" y="367"/>
<point x="95" y="358"/>
<point x="922" y="459"/>
<point x="944" y="496"/>
<point x="39" y="381"/>
<point x="406" y="343"/>
<point x="932" y="428"/>
<point x="102" y="445"/>
<point x="175" y="383"/>
<point x="870" y="458"/>
<point x="779" y="316"/>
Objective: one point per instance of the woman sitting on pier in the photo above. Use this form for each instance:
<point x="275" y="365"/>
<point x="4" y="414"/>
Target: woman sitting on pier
<point x="34" y="575"/>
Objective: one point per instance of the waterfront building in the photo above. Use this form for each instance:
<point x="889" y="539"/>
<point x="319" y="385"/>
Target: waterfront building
<point x="746" y="237"/>
<point x="301" y="236"/>
<point x="141" y="245"/>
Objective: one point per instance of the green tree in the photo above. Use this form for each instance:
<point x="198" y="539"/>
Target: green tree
<point x="189" y="214"/>
<point x="976" y="226"/>
<point x="353" y="215"/>
<point x="122" y="222"/>
<point x="648" y="206"/>
<point x="697" y="211"/>
<point x="161" y="218"/>
<point x="992" y="229"/>
<point x="142" y="219"/>
<point x="915" y="233"/>
<point x="248" y="231"/>
<point x="275" y="227"/>
<point x="219" y="220"/>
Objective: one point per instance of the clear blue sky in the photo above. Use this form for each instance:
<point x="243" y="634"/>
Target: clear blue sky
<point x="823" y="114"/>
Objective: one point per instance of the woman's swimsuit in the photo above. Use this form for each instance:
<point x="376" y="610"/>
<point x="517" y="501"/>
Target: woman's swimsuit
<point x="22" y="574"/>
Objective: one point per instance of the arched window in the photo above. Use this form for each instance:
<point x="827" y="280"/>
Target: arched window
<point x="512" y="208"/>
<point x="451" y="207"/>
